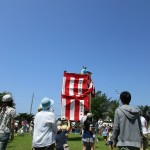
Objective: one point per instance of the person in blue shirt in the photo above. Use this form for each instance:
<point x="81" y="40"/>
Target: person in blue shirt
<point x="61" y="138"/>
<point x="85" y="71"/>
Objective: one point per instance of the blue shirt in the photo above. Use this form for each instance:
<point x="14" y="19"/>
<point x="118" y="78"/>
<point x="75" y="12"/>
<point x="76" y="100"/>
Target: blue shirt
<point x="61" y="140"/>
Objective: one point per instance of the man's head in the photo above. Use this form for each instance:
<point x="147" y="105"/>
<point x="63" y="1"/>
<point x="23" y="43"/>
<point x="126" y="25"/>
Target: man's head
<point x="7" y="100"/>
<point x="125" y="97"/>
<point x="84" y="67"/>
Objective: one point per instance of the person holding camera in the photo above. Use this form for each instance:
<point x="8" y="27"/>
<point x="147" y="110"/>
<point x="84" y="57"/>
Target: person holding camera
<point x="44" y="127"/>
<point x="87" y="137"/>
<point x="61" y="137"/>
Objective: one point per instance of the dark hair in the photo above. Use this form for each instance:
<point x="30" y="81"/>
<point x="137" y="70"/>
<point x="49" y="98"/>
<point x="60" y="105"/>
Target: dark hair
<point x="86" y="111"/>
<point x="125" y="97"/>
<point x="109" y="129"/>
<point x="10" y="103"/>
<point x="148" y="114"/>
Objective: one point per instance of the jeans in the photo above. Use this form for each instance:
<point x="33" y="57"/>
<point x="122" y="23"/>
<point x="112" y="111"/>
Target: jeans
<point x="4" y="137"/>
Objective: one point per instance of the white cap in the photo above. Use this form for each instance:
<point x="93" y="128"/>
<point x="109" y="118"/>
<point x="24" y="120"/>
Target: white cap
<point x="89" y="115"/>
<point x="7" y="98"/>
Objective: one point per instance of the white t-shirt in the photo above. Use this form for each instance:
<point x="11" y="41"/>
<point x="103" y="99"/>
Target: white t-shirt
<point x="83" y="119"/>
<point x="100" y="123"/>
<point x="110" y="136"/>
<point x="44" y="129"/>
<point x="143" y="122"/>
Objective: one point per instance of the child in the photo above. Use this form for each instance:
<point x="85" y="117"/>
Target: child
<point x="61" y="139"/>
<point x="104" y="134"/>
<point x="110" y="138"/>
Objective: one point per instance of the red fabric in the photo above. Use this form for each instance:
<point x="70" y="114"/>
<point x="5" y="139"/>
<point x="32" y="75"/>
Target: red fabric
<point x="76" y="92"/>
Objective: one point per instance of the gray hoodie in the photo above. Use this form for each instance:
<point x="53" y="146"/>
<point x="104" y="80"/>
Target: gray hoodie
<point x="127" y="128"/>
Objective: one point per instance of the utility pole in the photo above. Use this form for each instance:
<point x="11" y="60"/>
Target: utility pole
<point x="31" y="103"/>
<point x="118" y="96"/>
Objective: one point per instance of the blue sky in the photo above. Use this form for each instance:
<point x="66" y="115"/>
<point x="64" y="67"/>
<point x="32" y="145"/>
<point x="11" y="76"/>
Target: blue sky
<point x="39" y="39"/>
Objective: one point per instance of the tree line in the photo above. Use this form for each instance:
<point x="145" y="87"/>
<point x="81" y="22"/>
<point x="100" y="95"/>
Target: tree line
<point x="101" y="106"/>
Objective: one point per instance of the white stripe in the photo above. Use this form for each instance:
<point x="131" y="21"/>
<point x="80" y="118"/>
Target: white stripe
<point x="63" y="108"/>
<point x="63" y="85"/>
<point x="80" y="85"/>
<point x="72" y="109"/>
<point x="81" y="109"/>
<point x="71" y="86"/>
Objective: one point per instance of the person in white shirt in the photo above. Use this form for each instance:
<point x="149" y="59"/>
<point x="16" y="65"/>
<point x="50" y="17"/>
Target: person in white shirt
<point x="144" y="131"/>
<point x="148" y="122"/>
<point x="45" y="128"/>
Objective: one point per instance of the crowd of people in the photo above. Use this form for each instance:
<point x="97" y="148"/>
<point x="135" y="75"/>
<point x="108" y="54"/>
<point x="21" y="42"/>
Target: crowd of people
<point x="129" y="130"/>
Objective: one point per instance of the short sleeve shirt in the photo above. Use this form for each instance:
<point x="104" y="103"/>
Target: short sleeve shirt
<point x="44" y="133"/>
<point x="5" y="118"/>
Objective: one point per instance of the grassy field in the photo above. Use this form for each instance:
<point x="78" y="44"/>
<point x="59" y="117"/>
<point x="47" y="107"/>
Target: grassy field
<point x="74" y="141"/>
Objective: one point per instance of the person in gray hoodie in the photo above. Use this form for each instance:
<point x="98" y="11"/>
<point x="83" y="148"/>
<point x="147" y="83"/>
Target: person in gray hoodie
<point x="127" y="129"/>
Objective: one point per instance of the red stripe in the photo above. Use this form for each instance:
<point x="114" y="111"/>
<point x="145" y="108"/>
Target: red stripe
<point x="67" y="108"/>
<point x="84" y="85"/>
<point x="76" y="110"/>
<point x="86" y="91"/>
<point x="86" y="103"/>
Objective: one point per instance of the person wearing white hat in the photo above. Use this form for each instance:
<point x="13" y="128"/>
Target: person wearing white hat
<point x="45" y="127"/>
<point x="7" y="114"/>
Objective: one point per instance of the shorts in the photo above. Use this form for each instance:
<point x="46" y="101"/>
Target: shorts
<point x="105" y="137"/>
<point x="88" y="140"/>
<point x="110" y="143"/>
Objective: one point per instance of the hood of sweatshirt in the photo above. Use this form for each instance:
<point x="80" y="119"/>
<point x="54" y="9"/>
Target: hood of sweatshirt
<point x="131" y="112"/>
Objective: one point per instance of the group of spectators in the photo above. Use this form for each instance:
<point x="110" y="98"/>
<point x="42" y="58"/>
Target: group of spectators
<point x="129" y="131"/>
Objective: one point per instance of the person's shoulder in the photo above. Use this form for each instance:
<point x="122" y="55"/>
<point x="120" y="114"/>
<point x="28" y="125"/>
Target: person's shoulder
<point x="142" y="118"/>
<point x="11" y="110"/>
<point x="117" y="109"/>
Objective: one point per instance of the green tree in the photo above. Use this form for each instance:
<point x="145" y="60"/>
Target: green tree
<point x="144" y="109"/>
<point x="113" y="104"/>
<point x="99" y="105"/>
<point x="24" y="116"/>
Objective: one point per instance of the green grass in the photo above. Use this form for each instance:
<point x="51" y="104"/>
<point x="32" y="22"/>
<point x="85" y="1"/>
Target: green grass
<point x="20" y="143"/>
<point x="74" y="141"/>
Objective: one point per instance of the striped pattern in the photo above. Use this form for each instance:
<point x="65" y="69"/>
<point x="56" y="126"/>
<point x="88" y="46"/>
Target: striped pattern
<point x="76" y="93"/>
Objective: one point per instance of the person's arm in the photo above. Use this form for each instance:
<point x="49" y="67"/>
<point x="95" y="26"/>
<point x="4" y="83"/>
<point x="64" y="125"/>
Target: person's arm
<point x="53" y="123"/>
<point x="146" y="124"/>
<point x="68" y="126"/>
<point x="116" y="128"/>
<point x="12" y="122"/>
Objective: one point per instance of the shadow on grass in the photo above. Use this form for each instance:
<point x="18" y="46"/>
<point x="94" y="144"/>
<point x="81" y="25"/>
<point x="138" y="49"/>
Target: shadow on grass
<point x="10" y="146"/>
<point x="74" y="139"/>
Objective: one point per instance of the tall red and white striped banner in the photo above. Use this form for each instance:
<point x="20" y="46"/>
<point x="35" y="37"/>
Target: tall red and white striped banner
<point x="77" y="90"/>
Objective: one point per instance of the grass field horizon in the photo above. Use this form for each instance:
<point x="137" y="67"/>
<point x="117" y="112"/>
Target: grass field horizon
<point x="74" y="141"/>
